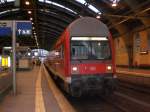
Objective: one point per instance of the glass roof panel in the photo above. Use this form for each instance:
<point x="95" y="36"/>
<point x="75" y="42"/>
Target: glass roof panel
<point x="59" y="5"/>
<point x="3" y="12"/>
<point x="47" y="1"/>
<point x="10" y="0"/>
<point x="81" y="1"/>
<point x="41" y="0"/>
<point x="4" y="1"/>
<point x="93" y="9"/>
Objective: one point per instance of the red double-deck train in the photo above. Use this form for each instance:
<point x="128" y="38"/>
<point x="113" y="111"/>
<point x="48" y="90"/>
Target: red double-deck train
<point x="83" y="57"/>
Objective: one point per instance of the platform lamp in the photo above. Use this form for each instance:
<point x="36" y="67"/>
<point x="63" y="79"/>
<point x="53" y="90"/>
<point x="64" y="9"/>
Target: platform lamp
<point x="18" y="3"/>
<point x="114" y="3"/>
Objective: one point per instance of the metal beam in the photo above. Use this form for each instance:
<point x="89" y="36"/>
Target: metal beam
<point x="48" y="31"/>
<point x="53" y="8"/>
<point x="60" y="17"/>
<point x="52" y="21"/>
<point x="47" y="36"/>
<point x="50" y="26"/>
<point x="124" y="20"/>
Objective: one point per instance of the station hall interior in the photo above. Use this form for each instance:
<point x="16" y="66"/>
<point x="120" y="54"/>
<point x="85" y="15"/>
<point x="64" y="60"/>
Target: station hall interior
<point x="75" y="55"/>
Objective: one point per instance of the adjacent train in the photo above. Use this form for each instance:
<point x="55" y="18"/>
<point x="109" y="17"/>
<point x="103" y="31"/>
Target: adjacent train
<point x="83" y="58"/>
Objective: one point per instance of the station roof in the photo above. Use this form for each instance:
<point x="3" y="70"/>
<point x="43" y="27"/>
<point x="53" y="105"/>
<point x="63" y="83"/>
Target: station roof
<point x="51" y="17"/>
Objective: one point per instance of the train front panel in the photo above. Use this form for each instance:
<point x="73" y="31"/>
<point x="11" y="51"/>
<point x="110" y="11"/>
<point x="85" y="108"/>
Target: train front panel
<point x="91" y="64"/>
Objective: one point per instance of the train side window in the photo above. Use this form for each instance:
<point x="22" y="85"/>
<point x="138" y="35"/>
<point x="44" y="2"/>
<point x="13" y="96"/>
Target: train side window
<point x="73" y="51"/>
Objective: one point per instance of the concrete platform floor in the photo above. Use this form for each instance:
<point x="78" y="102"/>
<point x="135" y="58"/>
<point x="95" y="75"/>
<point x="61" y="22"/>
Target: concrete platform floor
<point x="33" y="94"/>
<point x="136" y="72"/>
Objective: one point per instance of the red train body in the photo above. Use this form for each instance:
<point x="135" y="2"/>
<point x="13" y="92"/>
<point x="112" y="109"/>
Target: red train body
<point x="83" y="57"/>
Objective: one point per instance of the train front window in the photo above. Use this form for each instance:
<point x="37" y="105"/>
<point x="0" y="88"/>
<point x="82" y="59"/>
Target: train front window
<point x="91" y="48"/>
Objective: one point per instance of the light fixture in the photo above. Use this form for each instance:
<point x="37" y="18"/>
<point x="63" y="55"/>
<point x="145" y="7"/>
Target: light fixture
<point x="33" y="27"/>
<point x="74" y="68"/>
<point x="99" y="44"/>
<point x="7" y="48"/>
<point x="27" y="2"/>
<point x="29" y="12"/>
<point x="109" y="67"/>
<point x="9" y="61"/>
<point x="98" y="16"/>
<point x="114" y="5"/>
<point x="89" y="38"/>
<point x="31" y="19"/>
<point x="32" y="23"/>
<point x="29" y="54"/>
<point x="35" y="53"/>
<point x="57" y="53"/>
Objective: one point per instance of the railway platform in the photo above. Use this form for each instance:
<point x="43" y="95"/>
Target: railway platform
<point x="5" y="81"/>
<point x="132" y="71"/>
<point x="35" y="93"/>
<point x="139" y="77"/>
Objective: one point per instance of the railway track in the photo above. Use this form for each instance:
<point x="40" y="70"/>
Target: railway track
<point x="92" y="104"/>
<point x="131" y="97"/>
<point x="136" y="87"/>
<point x="139" y="92"/>
<point x="128" y="103"/>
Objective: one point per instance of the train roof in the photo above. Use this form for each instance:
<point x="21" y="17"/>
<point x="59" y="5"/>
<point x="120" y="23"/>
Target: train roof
<point x="88" y="26"/>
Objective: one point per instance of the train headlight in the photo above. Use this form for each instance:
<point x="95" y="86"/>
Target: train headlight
<point x="74" y="70"/>
<point x="109" y="67"/>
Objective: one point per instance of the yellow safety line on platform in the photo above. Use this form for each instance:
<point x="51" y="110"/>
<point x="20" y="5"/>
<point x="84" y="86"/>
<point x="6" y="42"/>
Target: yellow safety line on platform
<point x="3" y="74"/>
<point x="63" y="103"/>
<point x="135" y="74"/>
<point x="39" y="101"/>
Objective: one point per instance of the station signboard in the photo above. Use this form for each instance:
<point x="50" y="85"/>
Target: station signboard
<point x="5" y="28"/>
<point x="24" y="28"/>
